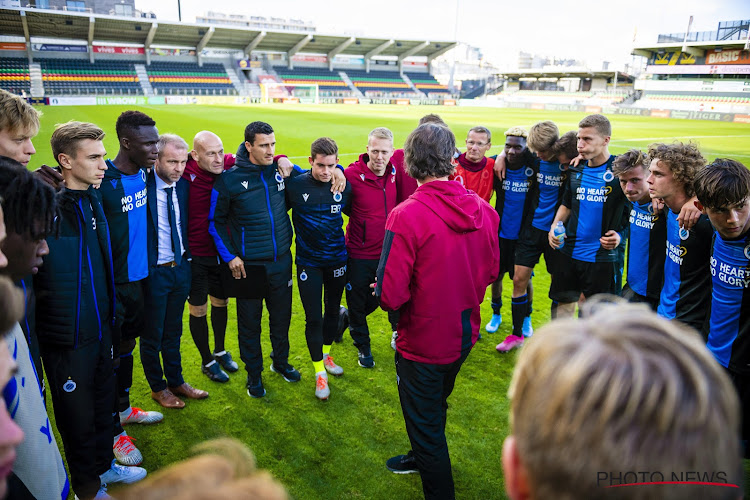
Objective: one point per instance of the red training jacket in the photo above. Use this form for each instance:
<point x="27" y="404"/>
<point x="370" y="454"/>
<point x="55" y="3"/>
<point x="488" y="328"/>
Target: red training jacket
<point x="440" y="254"/>
<point x="479" y="177"/>
<point x="405" y="185"/>
<point x="373" y="198"/>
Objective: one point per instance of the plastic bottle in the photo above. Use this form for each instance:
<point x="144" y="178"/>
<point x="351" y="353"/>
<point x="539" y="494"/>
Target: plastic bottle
<point x="559" y="233"/>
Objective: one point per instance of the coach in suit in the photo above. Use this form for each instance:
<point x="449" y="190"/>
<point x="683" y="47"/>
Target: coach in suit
<point x="168" y="282"/>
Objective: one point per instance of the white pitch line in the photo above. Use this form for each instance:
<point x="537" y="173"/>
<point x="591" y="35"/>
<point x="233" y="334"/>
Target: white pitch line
<point x="675" y="137"/>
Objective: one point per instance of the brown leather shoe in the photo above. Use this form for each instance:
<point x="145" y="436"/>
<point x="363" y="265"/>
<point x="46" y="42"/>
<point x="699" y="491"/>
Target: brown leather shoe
<point x="189" y="391"/>
<point x="167" y="399"/>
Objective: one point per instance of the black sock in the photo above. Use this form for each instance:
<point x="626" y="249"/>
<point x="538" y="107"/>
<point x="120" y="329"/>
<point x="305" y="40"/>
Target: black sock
<point x="519" y="307"/>
<point x="531" y="309"/>
<point x="199" y="331"/>
<point x="497" y="304"/>
<point x="219" y="324"/>
<point x="553" y="310"/>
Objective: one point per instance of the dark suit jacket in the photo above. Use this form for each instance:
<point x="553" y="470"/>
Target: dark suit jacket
<point x="182" y="187"/>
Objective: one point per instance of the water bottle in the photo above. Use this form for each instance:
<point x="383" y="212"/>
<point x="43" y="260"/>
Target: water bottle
<point x="559" y="233"/>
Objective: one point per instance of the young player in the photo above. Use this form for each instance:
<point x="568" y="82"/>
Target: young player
<point x="321" y="255"/>
<point x="595" y="213"/>
<point x="648" y="231"/>
<point x="723" y="191"/>
<point x="687" y="279"/>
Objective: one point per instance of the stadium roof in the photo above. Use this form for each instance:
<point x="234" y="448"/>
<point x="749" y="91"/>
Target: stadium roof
<point x="562" y="73"/>
<point x="697" y="49"/>
<point x="92" y="28"/>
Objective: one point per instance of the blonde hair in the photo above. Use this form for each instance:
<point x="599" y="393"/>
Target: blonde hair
<point x="542" y="136"/>
<point x="17" y="115"/>
<point x="224" y="468"/>
<point x="173" y="139"/>
<point x="516" y="132"/>
<point x="622" y="390"/>
<point x="381" y="133"/>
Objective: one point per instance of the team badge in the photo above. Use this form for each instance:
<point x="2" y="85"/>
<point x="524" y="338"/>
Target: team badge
<point x="747" y="251"/>
<point x="337" y="197"/>
<point x="278" y="178"/>
<point x="393" y="170"/>
<point x="303" y="276"/>
<point x="69" y="386"/>
<point x="562" y="167"/>
<point x="608" y="176"/>
<point x="143" y="175"/>
<point x="362" y="176"/>
<point x="349" y="286"/>
<point x="684" y="234"/>
<point x="529" y="172"/>
<point x="192" y="177"/>
<point x="305" y="196"/>
<point x="244" y="184"/>
<point x="650" y="209"/>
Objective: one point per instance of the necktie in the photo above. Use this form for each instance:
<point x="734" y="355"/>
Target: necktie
<point x="173" y="226"/>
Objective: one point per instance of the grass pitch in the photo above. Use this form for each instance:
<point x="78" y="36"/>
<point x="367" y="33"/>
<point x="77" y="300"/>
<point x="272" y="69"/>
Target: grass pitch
<point x="338" y="449"/>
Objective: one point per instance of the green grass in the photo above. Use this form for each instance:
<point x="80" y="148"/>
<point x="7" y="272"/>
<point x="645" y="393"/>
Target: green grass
<point x="337" y="449"/>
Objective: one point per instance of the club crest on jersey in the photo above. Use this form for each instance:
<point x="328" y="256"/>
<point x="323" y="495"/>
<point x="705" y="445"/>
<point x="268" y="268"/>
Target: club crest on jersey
<point x="529" y="172"/>
<point x="608" y="176"/>
<point x="303" y="276"/>
<point x="192" y="177"/>
<point x="337" y="197"/>
<point x="305" y="196"/>
<point x="747" y="251"/>
<point x="684" y="234"/>
<point x="143" y="175"/>
<point x="650" y="209"/>
<point x="69" y="386"/>
<point x="278" y="178"/>
<point x="244" y="184"/>
<point x="393" y="170"/>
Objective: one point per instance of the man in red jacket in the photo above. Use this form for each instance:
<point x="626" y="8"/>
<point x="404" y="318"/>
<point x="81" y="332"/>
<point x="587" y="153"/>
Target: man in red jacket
<point x="435" y="274"/>
<point x="374" y="191"/>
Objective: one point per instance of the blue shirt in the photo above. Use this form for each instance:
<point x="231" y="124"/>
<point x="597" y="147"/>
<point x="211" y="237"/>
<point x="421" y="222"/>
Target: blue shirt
<point x="550" y="179"/>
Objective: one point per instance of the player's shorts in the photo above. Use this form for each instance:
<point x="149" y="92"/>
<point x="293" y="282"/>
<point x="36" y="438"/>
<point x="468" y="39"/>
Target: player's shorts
<point x="206" y="280"/>
<point x="575" y="277"/>
<point x="129" y="311"/>
<point x="507" y="256"/>
<point x="533" y="243"/>
<point x="636" y="298"/>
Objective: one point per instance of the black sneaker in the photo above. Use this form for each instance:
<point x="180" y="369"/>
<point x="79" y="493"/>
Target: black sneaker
<point x="215" y="373"/>
<point x="343" y="324"/>
<point x="226" y="362"/>
<point x="288" y="372"/>
<point x="255" y="387"/>
<point x="402" y="464"/>
<point x="365" y="358"/>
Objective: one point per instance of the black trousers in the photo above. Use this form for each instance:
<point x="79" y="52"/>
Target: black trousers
<point x="166" y="291"/>
<point x="320" y="328"/>
<point x="129" y="324"/>
<point x="360" y="300"/>
<point x="82" y="386"/>
<point x="423" y="390"/>
<point x="250" y="313"/>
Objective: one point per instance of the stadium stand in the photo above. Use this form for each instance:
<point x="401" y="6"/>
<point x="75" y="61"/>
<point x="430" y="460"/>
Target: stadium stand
<point x="14" y="75"/>
<point x="80" y="77"/>
<point x="183" y="78"/>
<point x="426" y="83"/>
<point x="380" y="83"/>
<point x="330" y="83"/>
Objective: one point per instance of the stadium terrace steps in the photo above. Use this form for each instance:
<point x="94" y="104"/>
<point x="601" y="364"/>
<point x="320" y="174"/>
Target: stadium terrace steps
<point x="411" y="84"/>
<point x="37" y="84"/>
<point x="235" y="79"/>
<point x="425" y="82"/>
<point x="181" y="77"/>
<point x="74" y="76"/>
<point x="140" y="70"/>
<point x="349" y="83"/>
<point x="14" y="75"/>
<point x="380" y="82"/>
<point x="325" y="79"/>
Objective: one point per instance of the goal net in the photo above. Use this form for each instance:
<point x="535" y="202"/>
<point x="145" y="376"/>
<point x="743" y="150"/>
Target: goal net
<point x="304" y="93"/>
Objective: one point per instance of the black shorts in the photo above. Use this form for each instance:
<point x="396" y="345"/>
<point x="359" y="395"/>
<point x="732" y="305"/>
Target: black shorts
<point x="129" y="311"/>
<point x="575" y="277"/>
<point x="206" y="280"/>
<point x="507" y="256"/>
<point x="532" y="243"/>
<point x="636" y="298"/>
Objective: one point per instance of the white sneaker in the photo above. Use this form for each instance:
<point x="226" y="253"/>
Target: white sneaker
<point x="393" y="339"/>
<point x="322" y="391"/>
<point x="121" y="474"/>
<point x="138" y="416"/>
<point x="125" y="451"/>
<point x="101" y="494"/>
<point x="332" y="367"/>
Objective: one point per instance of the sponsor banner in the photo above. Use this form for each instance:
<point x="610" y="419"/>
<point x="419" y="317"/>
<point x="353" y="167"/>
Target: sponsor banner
<point x="12" y="46"/>
<point x="309" y="58"/>
<point x="537" y="106"/>
<point x="351" y="100"/>
<point x="592" y="109"/>
<point x="247" y="63"/>
<point x="181" y="99"/>
<point x="727" y="57"/>
<point x="416" y="64"/>
<point x="171" y="52"/>
<point x="449" y="102"/>
<point x="57" y="47"/>
<point x="38" y="101"/>
<point x="130" y="100"/>
<point x="702" y="115"/>
<point x="348" y="59"/>
<point x="694" y="85"/>
<point x="741" y="119"/>
<point x="562" y="107"/>
<point x="365" y="101"/>
<point x="402" y="102"/>
<point x="675" y="59"/>
<point x="72" y="101"/>
<point x="660" y="113"/>
<point x="290" y="100"/>
<point x="717" y="69"/>
<point x="107" y="49"/>
<point x="415" y="102"/>
<point x="382" y="62"/>
<point x="221" y="53"/>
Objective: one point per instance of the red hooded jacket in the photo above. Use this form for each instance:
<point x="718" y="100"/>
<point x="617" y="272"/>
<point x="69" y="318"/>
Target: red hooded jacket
<point x="405" y="185"/>
<point x="373" y="198"/>
<point x="439" y="255"/>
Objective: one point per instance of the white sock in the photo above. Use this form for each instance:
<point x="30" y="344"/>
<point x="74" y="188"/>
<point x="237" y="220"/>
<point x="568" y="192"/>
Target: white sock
<point x="127" y="412"/>
<point x="219" y="354"/>
<point x="211" y="363"/>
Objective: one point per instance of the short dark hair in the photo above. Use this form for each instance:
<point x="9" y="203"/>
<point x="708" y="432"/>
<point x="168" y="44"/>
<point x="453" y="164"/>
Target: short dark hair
<point x="66" y="137"/>
<point x="29" y="204"/>
<point x="628" y="161"/>
<point x="324" y="146"/>
<point x="567" y="144"/>
<point x="599" y="122"/>
<point x="722" y="184"/>
<point x="431" y="118"/>
<point x="132" y="120"/>
<point x="255" y="128"/>
<point x="428" y="151"/>
<point x="683" y="159"/>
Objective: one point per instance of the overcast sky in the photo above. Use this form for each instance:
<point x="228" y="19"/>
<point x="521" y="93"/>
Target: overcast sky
<point x="590" y="30"/>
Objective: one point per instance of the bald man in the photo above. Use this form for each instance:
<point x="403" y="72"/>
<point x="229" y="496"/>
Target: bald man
<point x="205" y="163"/>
